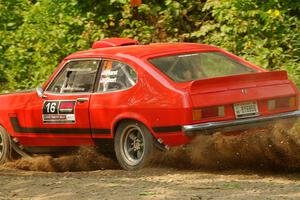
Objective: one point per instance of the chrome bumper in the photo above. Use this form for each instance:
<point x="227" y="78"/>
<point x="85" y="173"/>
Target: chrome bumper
<point x="235" y="125"/>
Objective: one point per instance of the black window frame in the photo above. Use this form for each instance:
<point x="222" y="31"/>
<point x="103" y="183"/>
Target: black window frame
<point x="62" y="69"/>
<point x="97" y="82"/>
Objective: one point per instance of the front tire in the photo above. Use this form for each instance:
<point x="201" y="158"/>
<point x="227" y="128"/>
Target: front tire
<point x="5" y="146"/>
<point x="133" y="145"/>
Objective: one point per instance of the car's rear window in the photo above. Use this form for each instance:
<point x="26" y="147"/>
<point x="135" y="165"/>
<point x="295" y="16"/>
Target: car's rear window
<point x="196" y="66"/>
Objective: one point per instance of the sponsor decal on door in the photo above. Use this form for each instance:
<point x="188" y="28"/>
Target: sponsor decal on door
<point x="61" y="112"/>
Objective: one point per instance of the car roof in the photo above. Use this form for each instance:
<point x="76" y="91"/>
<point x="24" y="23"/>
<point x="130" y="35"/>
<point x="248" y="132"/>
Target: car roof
<point x="139" y="51"/>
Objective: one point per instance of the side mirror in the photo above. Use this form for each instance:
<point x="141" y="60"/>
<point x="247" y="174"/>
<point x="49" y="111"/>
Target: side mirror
<point x="40" y="92"/>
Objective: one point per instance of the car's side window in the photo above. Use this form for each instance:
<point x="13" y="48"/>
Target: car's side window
<point x="76" y="77"/>
<point x="115" y="76"/>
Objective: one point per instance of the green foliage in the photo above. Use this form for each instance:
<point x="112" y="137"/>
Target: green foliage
<point x="11" y="17"/>
<point x="264" y="32"/>
<point x="36" y="35"/>
<point x="50" y="30"/>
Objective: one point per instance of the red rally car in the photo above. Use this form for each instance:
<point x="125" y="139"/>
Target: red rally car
<point x="139" y="97"/>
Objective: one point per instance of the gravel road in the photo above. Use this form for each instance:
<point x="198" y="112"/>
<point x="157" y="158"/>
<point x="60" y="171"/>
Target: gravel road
<point x="149" y="183"/>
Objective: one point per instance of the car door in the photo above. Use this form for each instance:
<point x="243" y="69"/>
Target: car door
<point x="113" y="95"/>
<point x="61" y="118"/>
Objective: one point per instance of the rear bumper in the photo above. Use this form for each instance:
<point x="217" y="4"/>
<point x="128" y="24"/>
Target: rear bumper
<point x="240" y="124"/>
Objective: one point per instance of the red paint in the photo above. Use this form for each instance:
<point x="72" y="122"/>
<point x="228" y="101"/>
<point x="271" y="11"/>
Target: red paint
<point x="114" y="42"/>
<point x="64" y="105"/>
<point x="155" y="100"/>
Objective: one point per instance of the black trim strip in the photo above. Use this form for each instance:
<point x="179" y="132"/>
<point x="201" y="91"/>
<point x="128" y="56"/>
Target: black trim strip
<point x="101" y="131"/>
<point x="17" y="128"/>
<point x="166" y="129"/>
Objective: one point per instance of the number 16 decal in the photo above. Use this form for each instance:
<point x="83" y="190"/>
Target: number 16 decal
<point x="50" y="107"/>
<point x="59" y="112"/>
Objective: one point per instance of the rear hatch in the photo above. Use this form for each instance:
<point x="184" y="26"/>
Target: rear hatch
<point x="242" y="96"/>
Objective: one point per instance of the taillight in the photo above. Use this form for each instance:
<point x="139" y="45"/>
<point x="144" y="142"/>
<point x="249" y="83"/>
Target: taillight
<point x="209" y="112"/>
<point x="281" y="103"/>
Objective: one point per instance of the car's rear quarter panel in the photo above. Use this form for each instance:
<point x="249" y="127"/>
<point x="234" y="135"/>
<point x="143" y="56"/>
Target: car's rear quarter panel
<point x="152" y="101"/>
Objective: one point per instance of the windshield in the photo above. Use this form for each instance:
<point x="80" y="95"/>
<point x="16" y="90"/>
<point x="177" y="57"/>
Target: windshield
<point x="196" y="66"/>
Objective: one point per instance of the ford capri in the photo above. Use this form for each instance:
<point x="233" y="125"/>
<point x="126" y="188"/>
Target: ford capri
<point x="131" y="99"/>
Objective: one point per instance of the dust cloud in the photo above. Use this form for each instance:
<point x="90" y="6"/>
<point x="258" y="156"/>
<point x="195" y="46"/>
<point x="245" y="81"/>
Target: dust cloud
<point x="272" y="149"/>
<point x="277" y="148"/>
<point x="85" y="159"/>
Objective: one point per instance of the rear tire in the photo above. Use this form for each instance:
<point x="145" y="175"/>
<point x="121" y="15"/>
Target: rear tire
<point x="5" y="146"/>
<point x="133" y="145"/>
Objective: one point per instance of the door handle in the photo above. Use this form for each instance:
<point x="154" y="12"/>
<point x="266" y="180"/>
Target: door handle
<point x="81" y="100"/>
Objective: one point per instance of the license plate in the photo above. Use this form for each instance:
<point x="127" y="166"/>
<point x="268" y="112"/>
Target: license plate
<point x="244" y="110"/>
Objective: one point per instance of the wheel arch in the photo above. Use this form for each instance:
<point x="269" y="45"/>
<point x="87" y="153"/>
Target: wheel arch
<point x="132" y="117"/>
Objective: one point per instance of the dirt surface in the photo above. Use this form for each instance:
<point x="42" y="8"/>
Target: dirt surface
<point x="149" y="183"/>
<point x="257" y="164"/>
